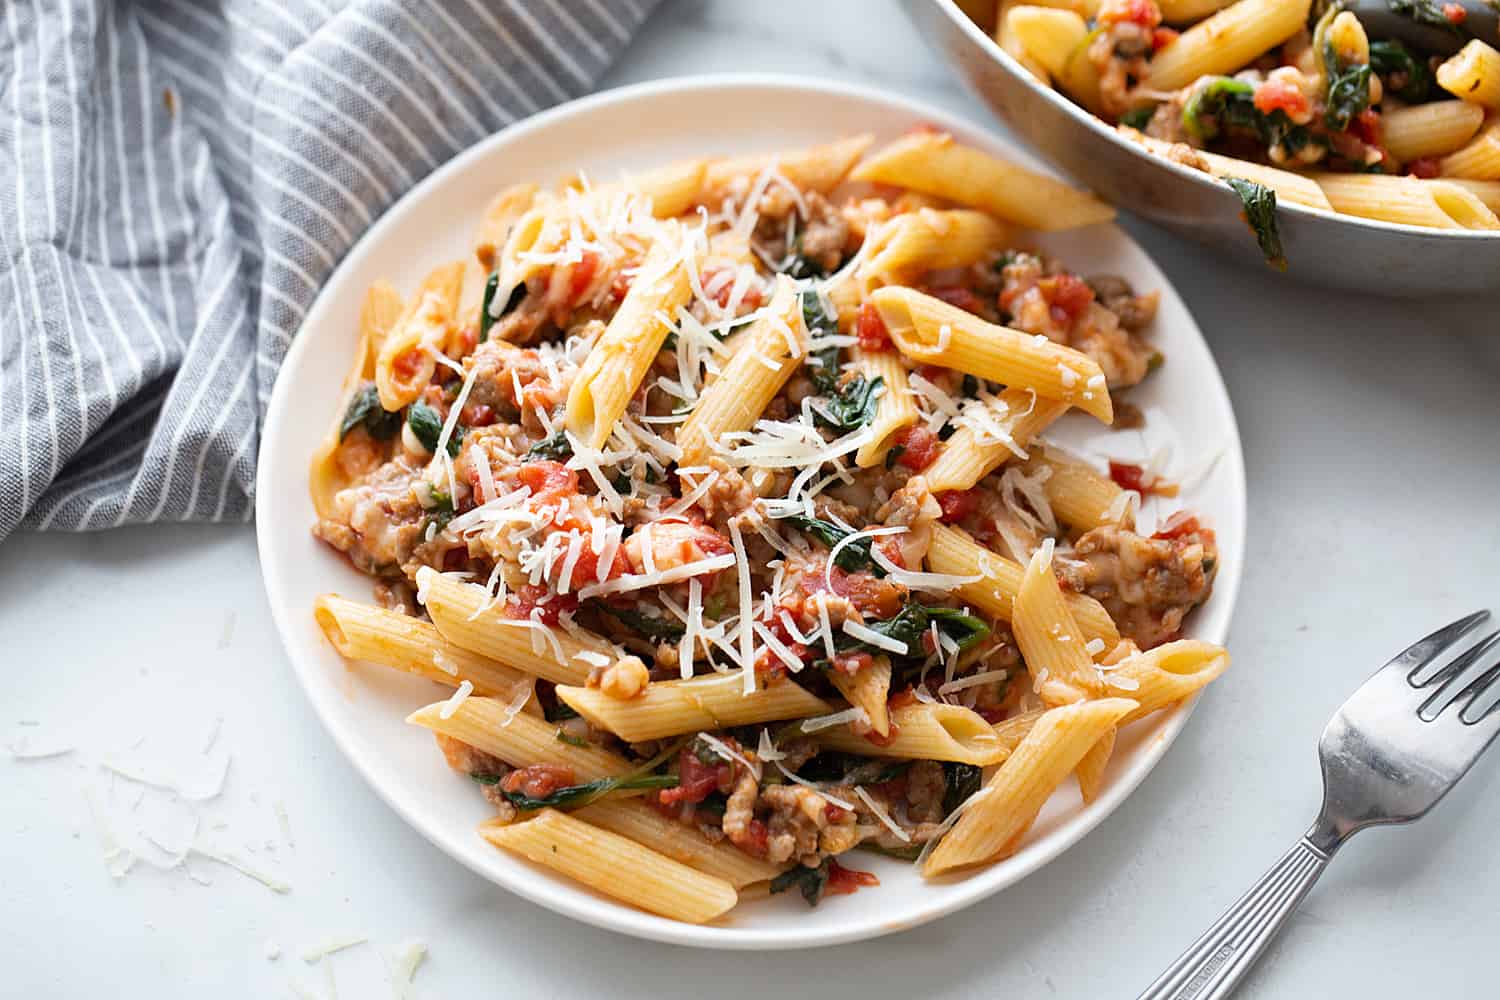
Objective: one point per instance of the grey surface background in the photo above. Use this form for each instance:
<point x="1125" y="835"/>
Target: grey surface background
<point x="1369" y="431"/>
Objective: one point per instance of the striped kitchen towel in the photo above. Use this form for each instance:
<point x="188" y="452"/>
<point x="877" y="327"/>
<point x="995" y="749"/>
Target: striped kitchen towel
<point x="177" y="180"/>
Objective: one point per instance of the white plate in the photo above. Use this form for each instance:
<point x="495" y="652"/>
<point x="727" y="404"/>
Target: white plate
<point x="625" y="129"/>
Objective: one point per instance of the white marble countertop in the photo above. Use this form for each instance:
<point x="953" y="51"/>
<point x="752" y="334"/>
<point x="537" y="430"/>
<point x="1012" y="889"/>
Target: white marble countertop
<point x="1369" y="431"/>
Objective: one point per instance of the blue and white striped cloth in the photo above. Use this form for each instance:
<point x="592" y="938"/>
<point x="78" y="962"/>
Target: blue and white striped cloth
<point x="177" y="180"/>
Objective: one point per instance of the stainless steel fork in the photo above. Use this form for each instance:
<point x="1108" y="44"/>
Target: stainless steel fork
<point x="1388" y="754"/>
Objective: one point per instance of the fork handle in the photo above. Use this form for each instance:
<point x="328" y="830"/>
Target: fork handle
<point x="1215" y="963"/>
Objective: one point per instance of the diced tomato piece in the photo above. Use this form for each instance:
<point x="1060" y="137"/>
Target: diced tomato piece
<point x="1068" y="295"/>
<point x="870" y="329"/>
<point x="407" y="363"/>
<point x="920" y="447"/>
<point x="586" y="570"/>
<point x="620" y="287"/>
<point x="906" y="696"/>
<point x="540" y="604"/>
<point x="695" y="779"/>
<point x="852" y="663"/>
<point x="548" y="479"/>
<point x="476" y="415"/>
<point x="538" y="781"/>
<point x="455" y="560"/>
<point x="870" y="595"/>
<point x="1366" y="125"/>
<point x="993" y="714"/>
<point x="834" y="813"/>
<point x="956" y="296"/>
<point x="1276" y="94"/>
<point x="583" y="275"/>
<point x="883" y="741"/>
<point x="1162" y="37"/>
<point x="757" y="839"/>
<point x="1181" y="523"/>
<point x="1426" y="167"/>
<point x="1127" y="476"/>
<point x="751" y="299"/>
<point x="1455" y="13"/>
<point x="957" y="504"/>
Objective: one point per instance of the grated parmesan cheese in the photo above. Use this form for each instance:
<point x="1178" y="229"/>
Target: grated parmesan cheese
<point x="820" y="722"/>
<point x="450" y="706"/>
<point x="882" y="815"/>
<point x="794" y="779"/>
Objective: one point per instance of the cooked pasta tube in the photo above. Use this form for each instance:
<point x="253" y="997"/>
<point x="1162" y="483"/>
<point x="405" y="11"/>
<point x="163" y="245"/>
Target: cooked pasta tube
<point x="1226" y="41"/>
<point x="465" y="616"/>
<point x="953" y="551"/>
<point x="1479" y="160"/>
<point x="994" y="823"/>
<point x="1050" y="639"/>
<point x="673" y="189"/>
<point x="1188" y="11"/>
<point x="1166" y="675"/>
<point x="1434" y="129"/>
<point x="1091" y="768"/>
<point x="1048" y="35"/>
<point x="1288" y="186"/>
<point x="1473" y="74"/>
<point x="765" y="356"/>
<point x="869" y="689"/>
<point x="1080" y="496"/>
<point x="925" y="731"/>
<point x="1408" y="200"/>
<point x="401" y="642"/>
<point x="625" y="350"/>
<point x="407" y="357"/>
<point x="486" y="723"/>
<point x="1012" y="46"/>
<point x="934" y="163"/>
<point x="1487" y="192"/>
<point x="503" y="212"/>
<point x="614" y="865"/>
<point x="1010" y="732"/>
<point x="929" y="240"/>
<point x="644" y="824"/>
<point x="712" y="701"/>
<point x="930" y="331"/>
<point x="971" y="454"/>
<point x="895" y="411"/>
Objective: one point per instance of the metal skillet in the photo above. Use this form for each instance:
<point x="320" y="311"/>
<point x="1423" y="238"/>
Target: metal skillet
<point x="1322" y="249"/>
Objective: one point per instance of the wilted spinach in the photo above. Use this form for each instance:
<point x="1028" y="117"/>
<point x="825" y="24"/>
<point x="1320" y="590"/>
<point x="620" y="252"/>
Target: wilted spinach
<point x="365" y="411"/>
<point x="810" y="881"/>
<point x="427" y="424"/>
<point x="1259" y="214"/>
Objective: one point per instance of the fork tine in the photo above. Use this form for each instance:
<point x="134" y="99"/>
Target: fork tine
<point x="1440" y="699"/>
<point x="1422" y="652"/>
<point x="1476" y="689"/>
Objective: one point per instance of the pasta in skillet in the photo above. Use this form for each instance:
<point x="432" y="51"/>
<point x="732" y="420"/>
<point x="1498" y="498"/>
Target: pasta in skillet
<point x="1291" y="96"/>
<point x="718" y="496"/>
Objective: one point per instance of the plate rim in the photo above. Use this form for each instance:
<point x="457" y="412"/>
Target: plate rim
<point x="609" y="914"/>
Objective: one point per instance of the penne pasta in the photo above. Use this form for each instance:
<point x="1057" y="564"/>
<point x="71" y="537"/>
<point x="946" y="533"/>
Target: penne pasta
<point x="1473" y="74"/>
<point x="925" y="731"/>
<point x="970" y="455"/>
<point x="709" y="702"/>
<point x="407" y="357"/>
<point x="646" y="825"/>
<point x="495" y="225"/>
<point x="1049" y="638"/>
<point x="1164" y="676"/>
<point x="934" y="163"/>
<point x="466" y="617"/>
<point x="624" y="351"/>
<point x="1047" y="34"/>
<point x="1479" y="160"/>
<point x="520" y="739"/>
<point x="1090" y="769"/>
<point x="614" y="865"/>
<point x="1407" y="200"/>
<point x="954" y="552"/>
<point x="869" y="689"/>
<point x="1188" y="11"/>
<point x="895" y="412"/>
<point x="1012" y="46"/>
<point x="1226" y="41"/>
<point x="764" y="358"/>
<point x="401" y="642"/>
<point x="993" y="824"/>
<point x="817" y="168"/>
<point x="929" y="240"/>
<point x="1434" y="129"/>
<point x="930" y="331"/>
<point x="672" y="189"/>
<point x="1289" y="186"/>
<point x="1488" y="192"/>
<point x="1080" y="496"/>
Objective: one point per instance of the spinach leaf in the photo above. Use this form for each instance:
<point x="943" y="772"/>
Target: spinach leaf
<point x="959" y="782"/>
<point x="559" y="711"/>
<point x="910" y="853"/>
<point x="580" y="795"/>
<point x="365" y="411"/>
<point x="852" y="558"/>
<point x="570" y="739"/>
<point x="821" y="321"/>
<point x="835" y="767"/>
<point x="653" y="628"/>
<point x="1137" y="118"/>
<point x="1395" y="65"/>
<point x="555" y="448"/>
<point x="1215" y="101"/>
<point x="427" y="424"/>
<point x="811" y="881"/>
<point x="964" y="629"/>
<point x="1260" y="215"/>
<point x="440" y="512"/>
<point x="909" y="626"/>
<point x="1348" y="95"/>
<point x="852" y="406"/>
<point x="491" y="287"/>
